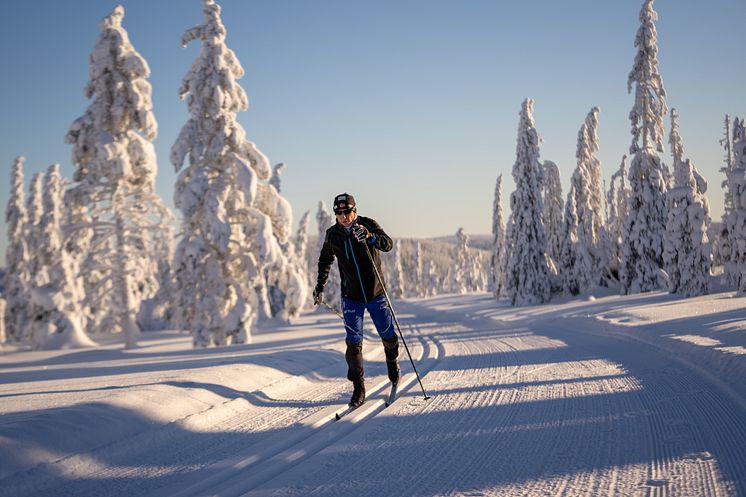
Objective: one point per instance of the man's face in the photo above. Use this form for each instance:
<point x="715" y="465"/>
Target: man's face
<point x="346" y="218"/>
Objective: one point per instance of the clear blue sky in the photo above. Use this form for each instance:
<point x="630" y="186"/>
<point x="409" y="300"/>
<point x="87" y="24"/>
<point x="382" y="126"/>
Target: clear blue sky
<point x="411" y="105"/>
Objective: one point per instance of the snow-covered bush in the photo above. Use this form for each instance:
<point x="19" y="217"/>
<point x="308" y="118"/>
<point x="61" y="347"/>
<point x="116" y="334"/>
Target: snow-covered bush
<point x="115" y="182"/>
<point x="227" y="238"/>
<point x="686" y="249"/>
<point x="527" y="273"/>
<point x="645" y="223"/>
<point x="16" y="258"/>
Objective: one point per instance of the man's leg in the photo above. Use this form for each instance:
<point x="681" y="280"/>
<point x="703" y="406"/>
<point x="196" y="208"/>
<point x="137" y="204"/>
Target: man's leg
<point x="382" y="318"/>
<point x="353" y="318"/>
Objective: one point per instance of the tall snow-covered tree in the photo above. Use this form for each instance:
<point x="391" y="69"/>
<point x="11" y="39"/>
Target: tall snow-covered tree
<point x="56" y="295"/>
<point x="617" y="199"/>
<point x="574" y="265"/>
<point x="527" y="273"/>
<point x="645" y="223"/>
<point x="332" y="289"/>
<point x="497" y="259"/>
<point x="227" y="239"/>
<point x="722" y="246"/>
<point x="419" y="290"/>
<point x="301" y="247"/>
<point x="284" y="278"/>
<point x="395" y="284"/>
<point x="16" y="257"/>
<point x="551" y="196"/>
<point x="3" y="335"/>
<point x="115" y="177"/>
<point x="432" y="282"/>
<point x="686" y="248"/>
<point x="584" y="225"/>
<point x="735" y="267"/>
<point x="34" y="213"/>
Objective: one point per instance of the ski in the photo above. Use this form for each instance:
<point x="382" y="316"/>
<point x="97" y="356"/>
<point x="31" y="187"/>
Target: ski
<point x="392" y="394"/>
<point x="347" y="410"/>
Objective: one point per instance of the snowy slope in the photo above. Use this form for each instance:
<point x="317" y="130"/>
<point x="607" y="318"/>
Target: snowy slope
<point x="636" y="395"/>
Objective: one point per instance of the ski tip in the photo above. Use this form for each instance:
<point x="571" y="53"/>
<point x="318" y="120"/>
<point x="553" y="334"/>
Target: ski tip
<point x="336" y="416"/>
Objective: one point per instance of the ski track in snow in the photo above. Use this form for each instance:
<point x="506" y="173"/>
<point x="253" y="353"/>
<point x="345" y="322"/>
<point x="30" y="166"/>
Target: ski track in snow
<point x="522" y="403"/>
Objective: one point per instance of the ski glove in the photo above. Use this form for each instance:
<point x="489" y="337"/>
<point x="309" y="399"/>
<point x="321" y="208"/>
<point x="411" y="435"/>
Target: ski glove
<point x="361" y="233"/>
<point x="318" y="295"/>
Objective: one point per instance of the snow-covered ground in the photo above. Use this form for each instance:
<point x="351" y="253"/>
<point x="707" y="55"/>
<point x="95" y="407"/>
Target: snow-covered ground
<point x="636" y="395"/>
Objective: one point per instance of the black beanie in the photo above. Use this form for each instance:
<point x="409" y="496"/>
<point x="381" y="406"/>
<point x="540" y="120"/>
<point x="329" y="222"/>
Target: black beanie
<point x="344" y="202"/>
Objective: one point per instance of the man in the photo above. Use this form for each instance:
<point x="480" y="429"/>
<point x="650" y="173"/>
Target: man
<point x="361" y="289"/>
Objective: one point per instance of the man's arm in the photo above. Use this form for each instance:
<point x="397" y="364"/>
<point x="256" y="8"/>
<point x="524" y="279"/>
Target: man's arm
<point x="382" y="241"/>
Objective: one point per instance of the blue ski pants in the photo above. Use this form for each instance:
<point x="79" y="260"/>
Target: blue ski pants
<point x="380" y="313"/>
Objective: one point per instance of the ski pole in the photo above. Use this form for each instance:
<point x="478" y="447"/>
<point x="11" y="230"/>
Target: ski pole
<point x="396" y="321"/>
<point x="335" y="311"/>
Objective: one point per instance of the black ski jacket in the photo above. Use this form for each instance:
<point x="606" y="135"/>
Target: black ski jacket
<point x="359" y="282"/>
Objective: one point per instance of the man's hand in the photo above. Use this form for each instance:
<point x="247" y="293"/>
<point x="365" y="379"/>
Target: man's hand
<point x="360" y="233"/>
<point x="318" y="295"/>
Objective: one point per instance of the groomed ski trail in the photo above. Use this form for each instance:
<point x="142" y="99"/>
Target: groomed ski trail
<point x="534" y="407"/>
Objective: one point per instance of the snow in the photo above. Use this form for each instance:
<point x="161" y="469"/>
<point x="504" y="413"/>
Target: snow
<point x="617" y="395"/>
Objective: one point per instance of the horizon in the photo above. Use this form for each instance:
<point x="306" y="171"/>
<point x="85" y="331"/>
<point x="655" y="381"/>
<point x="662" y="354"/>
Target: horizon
<point x="417" y="93"/>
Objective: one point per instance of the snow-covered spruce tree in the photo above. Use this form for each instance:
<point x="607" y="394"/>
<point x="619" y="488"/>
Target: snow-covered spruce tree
<point x="645" y="223"/>
<point x="432" y="282"/>
<point x="227" y="240"/>
<point x="3" y="336"/>
<point x="285" y="278"/>
<point x="332" y="289"/>
<point x="551" y="196"/>
<point x="34" y="213"/>
<point x="497" y="259"/>
<point x="301" y="250"/>
<point x="586" y="265"/>
<point x="16" y="257"/>
<point x="56" y="317"/>
<point x="686" y="248"/>
<point x="526" y="275"/>
<point x="275" y="179"/>
<point x="722" y="246"/>
<point x="617" y="201"/>
<point x="78" y="234"/>
<point x="461" y="282"/>
<point x="735" y="267"/>
<point x="157" y="312"/>
<point x="115" y="179"/>
<point x="395" y="282"/>
<point x="419" y="289"/>
<point x="572" y="263"/>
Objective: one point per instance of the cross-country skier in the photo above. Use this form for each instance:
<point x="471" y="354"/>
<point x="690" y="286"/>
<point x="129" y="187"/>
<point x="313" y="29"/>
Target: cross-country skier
<point x="361" y="289"/>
